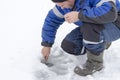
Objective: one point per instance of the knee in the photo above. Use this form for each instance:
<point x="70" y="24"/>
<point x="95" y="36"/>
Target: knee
<point x="72" y="48"/>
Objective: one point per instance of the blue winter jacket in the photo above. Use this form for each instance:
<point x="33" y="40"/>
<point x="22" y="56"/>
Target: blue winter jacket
<point x="90" y="11"/>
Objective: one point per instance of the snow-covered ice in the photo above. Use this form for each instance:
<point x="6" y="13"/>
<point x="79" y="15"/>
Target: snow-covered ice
<point x="20" y="46"/>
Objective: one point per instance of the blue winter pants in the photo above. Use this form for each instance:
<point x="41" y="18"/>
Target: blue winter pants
<point x="91" y="37"/>
<point x="74" y="44"/>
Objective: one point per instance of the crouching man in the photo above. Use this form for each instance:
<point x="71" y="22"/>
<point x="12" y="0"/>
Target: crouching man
<point x="98" y="24"/>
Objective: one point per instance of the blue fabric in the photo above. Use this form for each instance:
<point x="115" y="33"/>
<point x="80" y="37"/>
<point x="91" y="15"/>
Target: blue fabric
<point x="75" y="39"/>
<point x="111" y="32"/>
<point x="95" y="48"/>
<point x="52" y="22"/>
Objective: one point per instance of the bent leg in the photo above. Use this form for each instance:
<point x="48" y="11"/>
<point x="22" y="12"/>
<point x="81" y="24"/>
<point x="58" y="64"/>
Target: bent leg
<point x="95" y="45"/>
<point x="73" y="43"/>
<point x="93" y="39"/>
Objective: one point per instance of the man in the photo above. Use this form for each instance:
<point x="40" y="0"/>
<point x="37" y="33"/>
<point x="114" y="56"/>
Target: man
<point x="99" y="24"/>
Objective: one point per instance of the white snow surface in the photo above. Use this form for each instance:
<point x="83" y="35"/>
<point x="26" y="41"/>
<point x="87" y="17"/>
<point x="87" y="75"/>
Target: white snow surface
<point x="20" y="46"/>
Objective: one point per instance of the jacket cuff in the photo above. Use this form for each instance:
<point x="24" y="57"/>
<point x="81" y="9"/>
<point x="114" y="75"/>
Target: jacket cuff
<point x="46" y="44"/>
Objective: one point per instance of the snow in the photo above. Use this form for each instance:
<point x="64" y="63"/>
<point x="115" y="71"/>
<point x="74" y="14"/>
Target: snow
<point x="20" y="46"/>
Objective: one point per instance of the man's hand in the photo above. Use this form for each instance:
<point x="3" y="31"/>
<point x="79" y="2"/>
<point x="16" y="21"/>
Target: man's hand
<point x="46" y="52"/>
<point x="71" y="17"/>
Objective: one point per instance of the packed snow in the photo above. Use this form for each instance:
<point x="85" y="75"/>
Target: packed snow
<point x="20" y="46"/>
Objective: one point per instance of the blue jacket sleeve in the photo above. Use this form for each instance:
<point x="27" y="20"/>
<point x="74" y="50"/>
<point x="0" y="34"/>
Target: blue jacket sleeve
<point x="104" y="13"/>
<point x="51" y="24"/>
